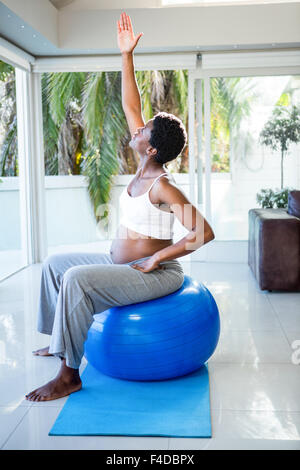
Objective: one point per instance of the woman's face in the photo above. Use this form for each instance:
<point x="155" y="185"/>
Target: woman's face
<point x="140" y="139"/>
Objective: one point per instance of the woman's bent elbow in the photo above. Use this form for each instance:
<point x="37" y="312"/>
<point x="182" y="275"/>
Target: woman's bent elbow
<point x="209" y="236"/>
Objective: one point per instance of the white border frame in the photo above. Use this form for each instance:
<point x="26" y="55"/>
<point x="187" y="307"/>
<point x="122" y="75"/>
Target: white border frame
<point x="31" y="165"/>
<point x="24" y="169"/>
<point x="106" y="63"/>
<point x="14" y="56"/>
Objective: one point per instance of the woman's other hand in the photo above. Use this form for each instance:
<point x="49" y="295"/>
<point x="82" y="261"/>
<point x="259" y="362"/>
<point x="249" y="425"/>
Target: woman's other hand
<point x="148" y="265"/>
<point x="126" y="39"/>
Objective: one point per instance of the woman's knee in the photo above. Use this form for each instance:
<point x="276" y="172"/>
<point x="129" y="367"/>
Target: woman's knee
<point x="55" y="261"/>
<point x="75" y="273"/>
<point x="50" y="261"/>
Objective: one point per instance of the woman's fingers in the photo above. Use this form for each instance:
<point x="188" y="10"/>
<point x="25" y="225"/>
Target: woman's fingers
<point x="121" y="24"/>
<point x="129" y="24"/>
<point x="124" y="21"/>
<point x="138" y="38"/>
<point x="125" y="33"/>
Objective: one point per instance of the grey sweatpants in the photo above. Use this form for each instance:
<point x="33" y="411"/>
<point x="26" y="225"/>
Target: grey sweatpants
<point x="75" y="286"/>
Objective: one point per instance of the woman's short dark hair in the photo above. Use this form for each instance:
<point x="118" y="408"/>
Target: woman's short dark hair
<point x="168" y="137"/>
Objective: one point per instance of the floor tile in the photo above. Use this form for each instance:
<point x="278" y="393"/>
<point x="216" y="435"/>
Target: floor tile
<point x="32" y="434"/>
<point x="287" y="307"/>
<point x="10" y="417"/>
<point x="18" y="379"/>
<point x="254" y="383"/>
<point x="14" y="318"/>
<point x="21" y="371"/>
<point x="233" y="444"/>
<point x="256" y="424"/>
<point x="293" y="338"/>
<point x="245" y="312"/>
<point x="252" y="347"/>
<point x="254" y="387"/>
<point x="236" y="429"/>
<point x="292" y="335"/>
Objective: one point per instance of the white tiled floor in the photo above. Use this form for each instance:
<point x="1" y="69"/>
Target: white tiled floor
<point x="254" y="384"/>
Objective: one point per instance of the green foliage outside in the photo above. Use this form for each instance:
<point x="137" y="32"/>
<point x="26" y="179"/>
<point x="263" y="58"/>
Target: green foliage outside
<point x="85" y="130"/>
<point x="8" y="122"/>
<point x="282" y="129"/>
<point x="231" y="102"/>
<point x="271" y="199"/>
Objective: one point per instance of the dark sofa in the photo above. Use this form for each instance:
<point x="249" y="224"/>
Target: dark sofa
<point x="274" y="245"/>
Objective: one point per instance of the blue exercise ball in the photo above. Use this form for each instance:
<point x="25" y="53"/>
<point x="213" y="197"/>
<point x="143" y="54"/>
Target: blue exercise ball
<point x="158" y="339"/>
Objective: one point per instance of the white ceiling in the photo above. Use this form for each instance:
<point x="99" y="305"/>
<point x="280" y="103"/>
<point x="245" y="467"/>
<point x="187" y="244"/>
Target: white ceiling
<point x="60" y="3"/>
<point x="78" y="28"/>
<point x="74" y="5"/>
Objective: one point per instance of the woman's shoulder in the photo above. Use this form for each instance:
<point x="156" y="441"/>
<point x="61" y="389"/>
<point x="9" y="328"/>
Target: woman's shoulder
<point x="169" y="177"/>
<point x="168" y="187"/>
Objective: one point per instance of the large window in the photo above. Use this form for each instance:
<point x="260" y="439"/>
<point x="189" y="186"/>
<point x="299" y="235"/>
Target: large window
<point x="86" y="136"/>
<point x="240" y="165"/>
<point x="10" y="233"/>
<point x="88" y="161"/>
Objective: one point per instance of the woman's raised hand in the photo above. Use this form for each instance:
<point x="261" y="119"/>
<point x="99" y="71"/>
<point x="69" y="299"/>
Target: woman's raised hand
<point x="126" y="39"/>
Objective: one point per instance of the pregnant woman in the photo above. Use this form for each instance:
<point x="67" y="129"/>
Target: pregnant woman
<point x="142" y="262"/>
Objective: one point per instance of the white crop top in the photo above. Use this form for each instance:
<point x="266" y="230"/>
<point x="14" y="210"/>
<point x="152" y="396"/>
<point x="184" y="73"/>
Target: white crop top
<point x="139" y="214"/>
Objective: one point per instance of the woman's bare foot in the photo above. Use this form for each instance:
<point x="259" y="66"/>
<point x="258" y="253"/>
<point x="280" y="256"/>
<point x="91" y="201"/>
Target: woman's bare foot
<point x="42" y="352"/>
<point x="67" y="381"/>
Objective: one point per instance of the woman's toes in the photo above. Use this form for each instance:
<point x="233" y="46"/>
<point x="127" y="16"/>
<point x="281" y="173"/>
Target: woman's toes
<point x="42" y="352"/>
<point x="32" y="395"/>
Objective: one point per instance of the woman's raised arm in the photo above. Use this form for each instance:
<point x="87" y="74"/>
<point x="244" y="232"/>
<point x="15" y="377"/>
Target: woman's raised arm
<point x="127" y="41"/>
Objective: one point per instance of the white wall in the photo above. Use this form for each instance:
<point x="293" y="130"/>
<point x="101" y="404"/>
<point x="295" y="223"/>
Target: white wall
<point x="184" y="27"/>
<point x="40" y="14"/>
<point x="232" y="197"/>
<point x="70" y="218"/>
<point x="164" y="28"/>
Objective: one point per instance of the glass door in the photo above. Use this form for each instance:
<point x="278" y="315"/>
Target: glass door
<point x="231" y="164"/>
<point x="12" y="251"/>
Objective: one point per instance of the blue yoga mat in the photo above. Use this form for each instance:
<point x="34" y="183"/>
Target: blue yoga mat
<point x="108" y="406"/>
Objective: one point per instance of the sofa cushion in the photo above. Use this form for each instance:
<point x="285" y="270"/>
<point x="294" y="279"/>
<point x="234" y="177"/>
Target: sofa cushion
<point x="274" y="249"/>
<point x="294" y="203"/>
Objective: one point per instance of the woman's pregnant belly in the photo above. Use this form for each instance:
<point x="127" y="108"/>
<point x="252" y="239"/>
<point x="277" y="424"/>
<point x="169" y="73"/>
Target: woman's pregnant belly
<point x="130" y="245"/>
